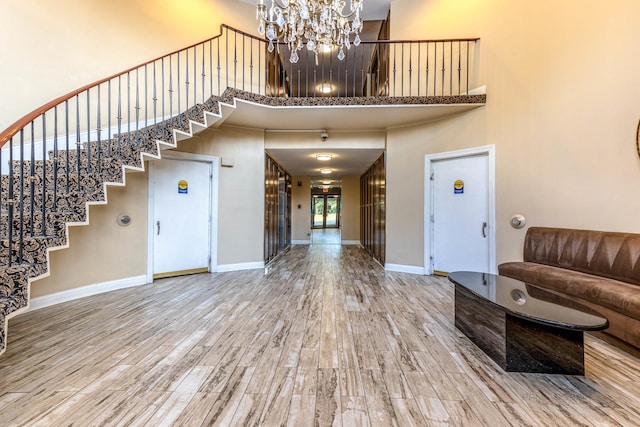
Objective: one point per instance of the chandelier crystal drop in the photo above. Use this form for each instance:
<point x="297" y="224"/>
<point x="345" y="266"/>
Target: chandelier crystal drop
<point x="322" y="25"/>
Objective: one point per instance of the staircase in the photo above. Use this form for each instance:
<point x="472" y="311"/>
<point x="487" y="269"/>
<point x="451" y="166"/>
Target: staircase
<point x="59" y="159"/>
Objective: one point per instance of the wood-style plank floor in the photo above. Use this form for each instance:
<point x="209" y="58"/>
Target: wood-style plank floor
<point x="326" y="338"/>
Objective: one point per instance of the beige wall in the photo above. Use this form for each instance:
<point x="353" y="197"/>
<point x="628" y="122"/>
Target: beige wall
<point x="350" y="214"/>
<point x="301" y="218"/>
<point x="103" y="251"/>
<point x="50" y="48"/>
<point x="561" y="111"/>
<point x="241" y="196"/>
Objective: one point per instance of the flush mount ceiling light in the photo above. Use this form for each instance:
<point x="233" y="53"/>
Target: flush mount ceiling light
<point x="326" y="182"/>
<point x="324" y="157"/>
<point x="326" y="171"/>
<point x="320" y="24"/>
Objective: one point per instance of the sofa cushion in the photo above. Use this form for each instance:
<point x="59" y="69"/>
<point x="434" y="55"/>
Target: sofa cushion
<point x="606" y="254"/>
<point x="613" y="294"/>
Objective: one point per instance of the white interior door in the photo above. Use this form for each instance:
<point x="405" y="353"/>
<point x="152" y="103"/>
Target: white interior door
<point x="460" y="214"/>
<point x="182" y="210"/>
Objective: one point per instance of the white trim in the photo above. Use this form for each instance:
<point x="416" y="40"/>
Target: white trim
<point x="351" y="242"/>
<point x="411" y="269"/>
<point x="301" y="242"/>
<point x="213" y="224"/>
<point x="240" y="266"/>
<point x="488" y="150"/>
<point x="86" y="291"/>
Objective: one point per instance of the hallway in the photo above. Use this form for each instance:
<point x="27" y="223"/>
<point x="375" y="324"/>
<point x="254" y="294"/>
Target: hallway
<point x="326" y="338"/>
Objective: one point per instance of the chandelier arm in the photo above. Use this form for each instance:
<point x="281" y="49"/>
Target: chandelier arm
<point x="347" y="16"/>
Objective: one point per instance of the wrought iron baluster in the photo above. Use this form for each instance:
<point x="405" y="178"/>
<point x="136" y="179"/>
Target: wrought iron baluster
<point x="443" y="71"/>
<point x="211" y="68"/>
<point x="78" y="144"/>
<point x="394" y="69"/>
<point x="109" y="118"/>
<point x="235" y="59"/>
<point x="171" y="87"/>
<point x="353" y="89"/>
<point x="43" y="227"/>
<point x="362" y="73"/>
<point x="129" y="111"/>
<point x="186" y="87"/>
<point x="435" y="67"/>
<point x="418" y="66"/>
<point x="251" y="66"/>
<point x="88" y="146"/>
<point x="155" y="95"/>
<point x="467" y="88"/>
<point x="328" y="92"/>
<point x="204" y="74"/>
<point x="119" y="148"/>
<point x="243" y="55"/>
<point x="10" y="201"/>
<point x="55" y="158"/>
<point x="21" y="195"/>
<point x="137" y="107"/>
<point x="450" y="68"/>
<point x="427" y="71"/>
<point x="227" y="56"/>
<point x="179" y="112"/>
<point x="402" y="69"/>
<point x="99" y="131"/>
<point x="146" y="95"/>
<point x="219" y="67"/>
<point x="459" y="66"/>
<point x="66" y="132"/>
<point x="32" y="179"/>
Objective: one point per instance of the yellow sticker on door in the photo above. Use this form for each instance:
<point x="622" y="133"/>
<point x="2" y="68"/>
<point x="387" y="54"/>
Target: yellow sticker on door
<point x="458" y="187"/>
<point x="183" y="187"/>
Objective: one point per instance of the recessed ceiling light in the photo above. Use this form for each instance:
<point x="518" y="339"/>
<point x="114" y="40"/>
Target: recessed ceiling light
<point x="323" y="157"/>
<point x="326" y="171"/>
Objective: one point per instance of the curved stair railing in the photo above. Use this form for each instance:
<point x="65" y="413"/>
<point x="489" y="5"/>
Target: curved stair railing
<point x="58" y="159"/>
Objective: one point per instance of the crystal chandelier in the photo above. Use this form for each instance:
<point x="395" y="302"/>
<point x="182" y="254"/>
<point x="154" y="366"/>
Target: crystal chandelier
<point x="322" y="24"/>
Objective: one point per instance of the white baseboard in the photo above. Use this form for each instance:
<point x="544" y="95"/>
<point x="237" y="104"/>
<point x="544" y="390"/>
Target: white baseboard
<point x="86" y="291"/>
<point x="411" y="269"/>
<point x="301" y="242"/>
<point x="240" y="266"/>
<point x="351" y="242"/>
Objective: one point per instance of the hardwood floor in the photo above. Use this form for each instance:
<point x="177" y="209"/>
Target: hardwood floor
<point x="327" y="338"/>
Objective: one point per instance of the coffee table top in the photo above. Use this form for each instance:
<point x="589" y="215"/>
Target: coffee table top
<point x="516" y="298"/>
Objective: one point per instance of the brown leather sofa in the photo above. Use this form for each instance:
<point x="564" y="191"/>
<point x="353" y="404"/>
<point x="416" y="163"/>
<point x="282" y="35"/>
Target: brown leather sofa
<point x="598" y="269"/>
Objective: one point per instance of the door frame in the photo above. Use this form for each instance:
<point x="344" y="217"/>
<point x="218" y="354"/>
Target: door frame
<point x="213" y="220"/>
<point x="324" y="215"/>
<point x="429" y="159"/>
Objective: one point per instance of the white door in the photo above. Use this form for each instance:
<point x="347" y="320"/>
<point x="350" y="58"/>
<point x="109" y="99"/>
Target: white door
<point x="460" y="214"/>
<point x="182" y="208"/>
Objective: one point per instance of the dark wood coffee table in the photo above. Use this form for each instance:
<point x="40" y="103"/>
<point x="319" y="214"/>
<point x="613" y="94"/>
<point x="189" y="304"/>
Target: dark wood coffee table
<point x="520" y="332"/>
